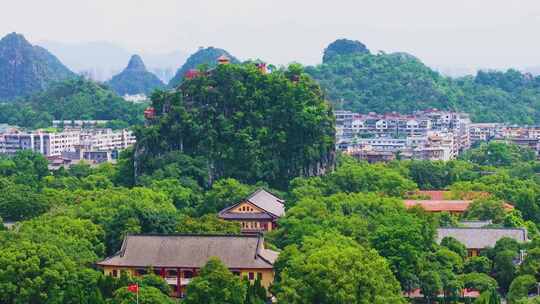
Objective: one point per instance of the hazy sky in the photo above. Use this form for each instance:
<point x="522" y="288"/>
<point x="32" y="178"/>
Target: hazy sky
<point x="463" y="33"/>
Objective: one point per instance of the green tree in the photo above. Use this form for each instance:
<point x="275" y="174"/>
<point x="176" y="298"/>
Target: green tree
<point x="488" y="297"/>
<point x="531" y="264"/>
<point x="520" y="288"/>
<point x="256" y="293"/>
<point x="454" y="245"/>
<point x="223" y="193"/>
<point x="20" y="202"/>
<point x="486" y="209"/>
<point x="206" y="224"/>
<point x="403" y="240"/>
<point x="431" y="285"/>
<point x="31" y="273"/>
<point x="147" y="295"/>
<point x="333" y="269"/>
<point x="478" y="281"/>
<point x="479" y="264"/>
<point x="157" y="282"/>
<point x="504" y="269"/>
<point x="215" y="285"/>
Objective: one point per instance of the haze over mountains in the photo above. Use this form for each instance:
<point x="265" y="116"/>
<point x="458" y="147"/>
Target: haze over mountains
<point x="102" y="60"/>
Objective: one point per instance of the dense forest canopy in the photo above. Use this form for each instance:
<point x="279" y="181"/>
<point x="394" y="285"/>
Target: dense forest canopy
<point x="71" y="100"/>
<point x="241" y="123"/>
<point x="358" y="80"/>
<point x="346" y="236"/>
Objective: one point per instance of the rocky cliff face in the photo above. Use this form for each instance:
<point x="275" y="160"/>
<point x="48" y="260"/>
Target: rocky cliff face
<point x="26" y="69"/>
<point x="135" y="79"/>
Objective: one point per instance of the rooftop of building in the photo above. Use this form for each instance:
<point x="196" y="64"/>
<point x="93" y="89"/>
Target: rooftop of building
<point x="441" y="200"/>
<point x="479" y="238"/>
<point x="264" y="200"/>
<point x="192" y="251"/>
<point x="439" y="205"/>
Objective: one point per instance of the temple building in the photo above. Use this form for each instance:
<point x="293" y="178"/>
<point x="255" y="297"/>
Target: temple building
<point x="258" y="212"/>
<point x="478" y="239"/>
<point x="179" y="257"/>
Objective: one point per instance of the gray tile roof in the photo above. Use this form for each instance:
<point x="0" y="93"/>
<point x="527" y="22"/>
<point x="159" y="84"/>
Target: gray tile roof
<point x="192" y="251"/>
<point x="268" y="202"/>
<point x="271" y="204"/>
<point x="479" y="238"/>
<point x="245" y="216"/>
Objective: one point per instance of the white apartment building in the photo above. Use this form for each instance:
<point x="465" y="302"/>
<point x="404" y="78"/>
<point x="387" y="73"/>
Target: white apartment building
<point x="48" y="144"/>
<point x="107" y="139"/>
<point x="434" y="129"/>
<point x="54" y="144"/>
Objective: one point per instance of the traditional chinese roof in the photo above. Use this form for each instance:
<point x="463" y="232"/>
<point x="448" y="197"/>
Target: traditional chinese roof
<point x="192" y="251"/>
<point x="479" y="238"/>
<point x="272" y="206"/>
<point x="439" y="205"/>
<point x="446" y="205"/>
<point x="443" y="194"/>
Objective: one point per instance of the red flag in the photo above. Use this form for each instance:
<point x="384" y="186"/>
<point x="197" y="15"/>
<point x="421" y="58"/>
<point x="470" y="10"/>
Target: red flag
<point x="133" y="288"/>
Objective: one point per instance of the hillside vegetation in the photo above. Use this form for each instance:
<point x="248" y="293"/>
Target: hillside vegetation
<point x="357" y="80"/>
<point x="346" y="233"/>
<point x="70" y="100"/>
<point x="242" y="123"/>
<point x="204" y="56"/>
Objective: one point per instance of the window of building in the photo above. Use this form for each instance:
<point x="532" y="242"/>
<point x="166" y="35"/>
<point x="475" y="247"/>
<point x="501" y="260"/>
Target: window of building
<point x="141" y="271"/>
<point x="115" y="273"/>
<point x="236" y="273"/>
<point x="188" y="274"/>
<point x="251" y="276"/>
<point x="259" y="275"/>
<point x="172" y="273"/>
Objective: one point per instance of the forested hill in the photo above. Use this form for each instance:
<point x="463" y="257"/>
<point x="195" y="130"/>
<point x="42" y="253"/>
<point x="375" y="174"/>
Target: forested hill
<point x="26" y="69"/>
<point x="71" y="99"/>
<point x="358" y="80"/>
<point x="135" y="79"/>
<point x="204" y="56"/>
<point x="240" y="122"/>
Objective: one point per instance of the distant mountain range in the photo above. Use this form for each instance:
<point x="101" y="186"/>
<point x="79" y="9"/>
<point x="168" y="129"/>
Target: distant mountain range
<point x="358" y="80"/>
<point x="352" y="77"/>
<point x="102" y="60"/>
<point x="27" y="69"/>
<point x="135" y="79"/>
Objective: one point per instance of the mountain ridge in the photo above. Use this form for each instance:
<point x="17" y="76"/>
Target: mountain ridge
<point x="26" y="69"/>
<point x="135" y="79"/>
